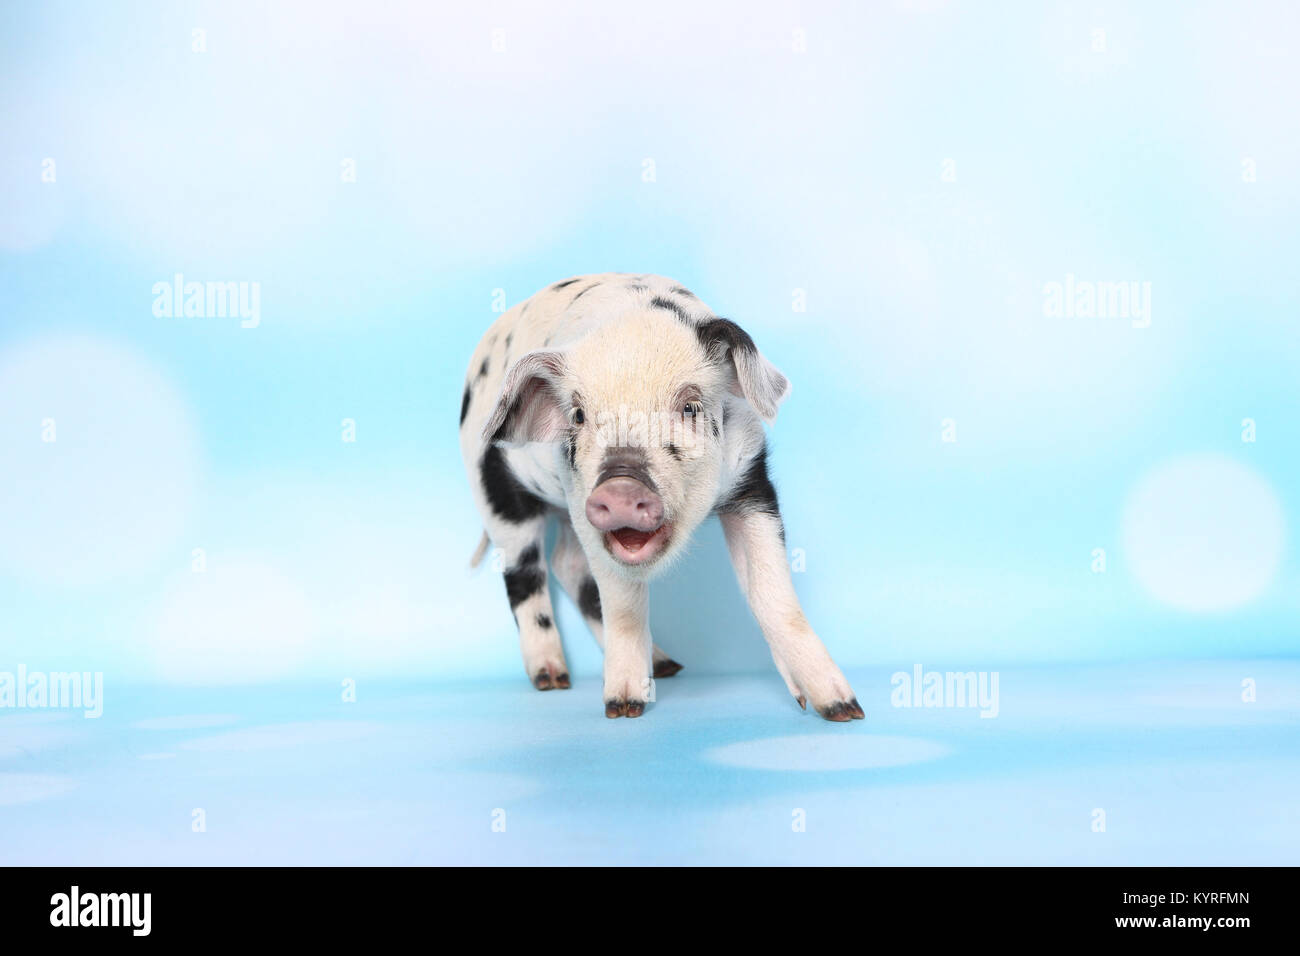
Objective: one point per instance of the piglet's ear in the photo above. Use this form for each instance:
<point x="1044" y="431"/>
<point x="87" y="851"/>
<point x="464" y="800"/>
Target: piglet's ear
<point x="754" y="378"/>
<point x="530" y="407"/>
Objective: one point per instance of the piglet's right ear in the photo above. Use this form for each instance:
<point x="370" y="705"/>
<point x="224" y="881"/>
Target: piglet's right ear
<point x="530" y="407"/>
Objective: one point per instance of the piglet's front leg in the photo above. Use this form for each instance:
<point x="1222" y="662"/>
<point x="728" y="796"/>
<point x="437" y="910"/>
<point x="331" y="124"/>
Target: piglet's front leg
<point x="757" y="549"/>
<point x="625" y="613"/>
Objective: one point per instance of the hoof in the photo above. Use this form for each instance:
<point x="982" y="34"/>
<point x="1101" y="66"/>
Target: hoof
<point x="546" y="680"/>
<point x="616" y="707"/>
<point x="666" y="667"/>
<point x="842" y="711"/>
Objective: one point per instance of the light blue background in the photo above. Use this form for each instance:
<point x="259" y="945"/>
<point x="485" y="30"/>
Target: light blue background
<point x="775" y="171"/>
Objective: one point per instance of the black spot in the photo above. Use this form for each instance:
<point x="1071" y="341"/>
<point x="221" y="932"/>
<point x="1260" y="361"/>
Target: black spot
<point x="753" y="493"/>
<point x="566" y="282"/>
<point x="513" y="411"/>
<point x="659" y="302"/>
<point x="464" y="405"/>
<point x="678" y="290"/>
<point x="526" y="577"/>
<point x="674" y="451"/>
<point x="523" y="582"/>
<point x="571" y="450"/>
<point x="589" y="599"/>
<point x="483" y="369"/>
<point x="718" y="336"/>
<point x="510" y="337"/>
<point x="543" y="621"/>
<point x="714" y="423"/>
<point x="638" y="287"/>
<point x="506" y="496"/>
<point x="584" y="292"/>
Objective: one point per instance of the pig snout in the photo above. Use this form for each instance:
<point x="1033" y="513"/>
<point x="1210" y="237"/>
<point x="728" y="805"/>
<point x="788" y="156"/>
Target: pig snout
<point x="624" y="503"/>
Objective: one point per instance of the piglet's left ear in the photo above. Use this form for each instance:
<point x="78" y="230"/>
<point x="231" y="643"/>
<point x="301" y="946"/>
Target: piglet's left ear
<point x="756" y="379"/>
<point x="529" y="407"/>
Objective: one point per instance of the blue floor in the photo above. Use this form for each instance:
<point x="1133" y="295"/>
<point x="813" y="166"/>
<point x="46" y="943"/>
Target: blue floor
<point x="720" y="770"/>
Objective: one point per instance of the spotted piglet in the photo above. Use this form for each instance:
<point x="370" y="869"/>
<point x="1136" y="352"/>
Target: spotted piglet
<point x="621" y="406"/>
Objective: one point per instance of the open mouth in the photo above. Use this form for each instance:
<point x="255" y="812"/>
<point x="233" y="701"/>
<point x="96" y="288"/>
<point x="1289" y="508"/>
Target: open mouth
<point x="636" y="547"/>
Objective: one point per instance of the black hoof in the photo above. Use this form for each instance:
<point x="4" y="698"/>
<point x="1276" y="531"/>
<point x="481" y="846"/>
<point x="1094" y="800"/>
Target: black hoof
<point x="666" y="668"/>
<point x="548" y="680"/>
<point x="842" y="711"/>
<point x="616" y="707"/>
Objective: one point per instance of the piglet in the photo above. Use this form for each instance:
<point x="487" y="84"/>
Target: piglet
<point x="623" y="408"/>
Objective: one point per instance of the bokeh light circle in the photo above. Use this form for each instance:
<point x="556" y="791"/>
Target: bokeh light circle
<point x="1203" y="533"/>
<point x="100" y="462"/>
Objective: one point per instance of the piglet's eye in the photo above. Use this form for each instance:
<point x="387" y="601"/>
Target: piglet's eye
<point x="691" y="409"/>
<point x="576" y="416"/>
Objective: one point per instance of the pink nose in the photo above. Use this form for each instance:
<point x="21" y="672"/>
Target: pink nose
<point x="624" y="503"/>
